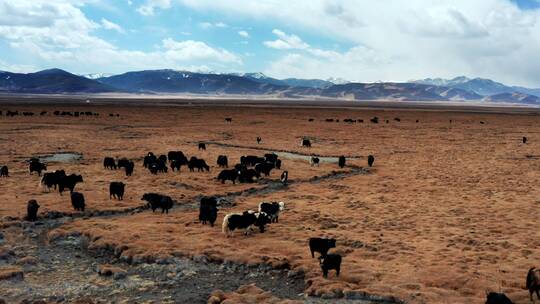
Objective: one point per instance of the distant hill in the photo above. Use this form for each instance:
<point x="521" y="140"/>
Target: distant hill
<point x="398" y="91"/>
<point x="56" y="81"/>
<point x="481" y="86"/>
<point x="53" y="81"/>
<point x="514" y="98"/>
<point x="292" y="82"/>
<point x="171" y="81"/>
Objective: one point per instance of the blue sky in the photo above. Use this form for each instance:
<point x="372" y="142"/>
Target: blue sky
<point x="359" y="40"/>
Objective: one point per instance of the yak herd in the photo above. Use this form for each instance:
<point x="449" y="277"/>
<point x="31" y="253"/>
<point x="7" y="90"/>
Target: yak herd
<point x="57" y="113"/>
<point x="248" y="170"/>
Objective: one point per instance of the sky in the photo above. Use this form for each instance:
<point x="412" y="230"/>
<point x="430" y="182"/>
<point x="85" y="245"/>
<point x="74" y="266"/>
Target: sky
<point x="357" y="40"/>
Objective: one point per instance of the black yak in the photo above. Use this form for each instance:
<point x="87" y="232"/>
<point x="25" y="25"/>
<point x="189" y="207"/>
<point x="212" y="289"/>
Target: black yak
<point x="69" y="182"/>
<point x="370" y="160"/>
<point x="533" y="282"/>
<point x="222" y="161"/>
<point x="321" y="246"/>
<point x="52" y="179"/>
<point x="109" y="163"/>
<point x="77" y="201"/>
<point x="156" y="201"/>
<point x="198" y="163"/>
<point x="32" y="210"/>
<point x="497" y="298"/>
<point x="36" y="166"/>
<point x="4" y="171"/>
<point x="226" y="174"/>
<point x="341" y="161"/>
<point x="208" y="210"/>
<point x="329" y="262"/>
<point x="116" y="190"/>
<point x="306" y="143"/>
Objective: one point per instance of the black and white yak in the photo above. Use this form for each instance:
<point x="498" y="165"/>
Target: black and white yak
<point x="246" y="220"/>
<point x="272" y="209"/>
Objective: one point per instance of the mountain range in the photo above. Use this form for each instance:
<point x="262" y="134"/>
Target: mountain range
<point x="56" y="81"/>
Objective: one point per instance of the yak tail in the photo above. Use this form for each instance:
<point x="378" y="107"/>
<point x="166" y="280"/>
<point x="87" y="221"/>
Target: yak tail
<point x="530" y="278"/>
<point x="225" y="225"/>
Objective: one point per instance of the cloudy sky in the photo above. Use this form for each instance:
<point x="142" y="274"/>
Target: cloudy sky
<point x="359" y="40"/>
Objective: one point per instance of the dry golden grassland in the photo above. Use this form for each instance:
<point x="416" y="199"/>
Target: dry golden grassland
<point x="448" y="211"/>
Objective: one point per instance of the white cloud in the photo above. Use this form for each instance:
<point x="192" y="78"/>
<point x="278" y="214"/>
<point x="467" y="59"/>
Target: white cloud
<point x="56" y="33"/>
<point x="488" y="38"/>
<point x="285" y="42"/>
<point x="189" y="50"/>
<point x="207" y="25"/>
<point x="109" y="25"/>
<point x="149" y="7"/>
<point x="355" y="62"/>
<point x="243" y="34"/>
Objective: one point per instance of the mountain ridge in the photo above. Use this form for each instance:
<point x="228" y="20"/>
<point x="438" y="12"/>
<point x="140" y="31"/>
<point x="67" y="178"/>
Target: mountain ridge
<point x="168" y="81"/>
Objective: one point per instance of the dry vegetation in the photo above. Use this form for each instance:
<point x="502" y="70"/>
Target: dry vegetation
<point x="447" y="212"/>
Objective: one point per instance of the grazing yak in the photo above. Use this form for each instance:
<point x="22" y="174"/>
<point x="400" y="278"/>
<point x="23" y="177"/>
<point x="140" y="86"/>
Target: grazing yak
<point x="341" y="161"/>
<point x="271" y="158"/>
<point x="69" y="182"/>
<point x="52" y="179"/>
<point x="129" y="168"/>
<point x="176" y="155"/>
<point x="306" y="143"/>
<point x="158" y="166"/>
<point x="155" y="201"/>
<point x="228" y="119"/>
<point x="162" y="158"/>
<point x="77" y="201"/>
<point x="32" y="210"/>
<point x="177" y="164"/>
<point x="248" y="176"/>
<point x="259" y="139"/>
<point x="246" y="220"/>
<point x="202" y="146"/>
<point x="321" y="245"/>
<point x="314" y="161"/>
<point x="4" y="171"/>
<point x="198" y="163"/>
<point x="264" y="168"/>
<point x="208" y="210"/>
<point x="226" y="174"/>
<point x="109" y="163"/>
<point x="375" y="120"/>
<point x="329" y="262"/>
<point x="497" y="298"/>
<point x="149" y="160"/>
<point x="37" y="166"/>
<point x="116" y="190"/>
<point x="284" y="177"/>
<point x="251" y="160"/>
<point x="370" y="160"/>
<point x="272" y="209"/>
<point x="524" y="139"/>
<point x="222" y="161"/>
<point x="533" y="282"/>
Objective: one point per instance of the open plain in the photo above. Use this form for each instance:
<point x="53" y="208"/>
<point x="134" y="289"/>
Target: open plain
<point x="448" y="211"/>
